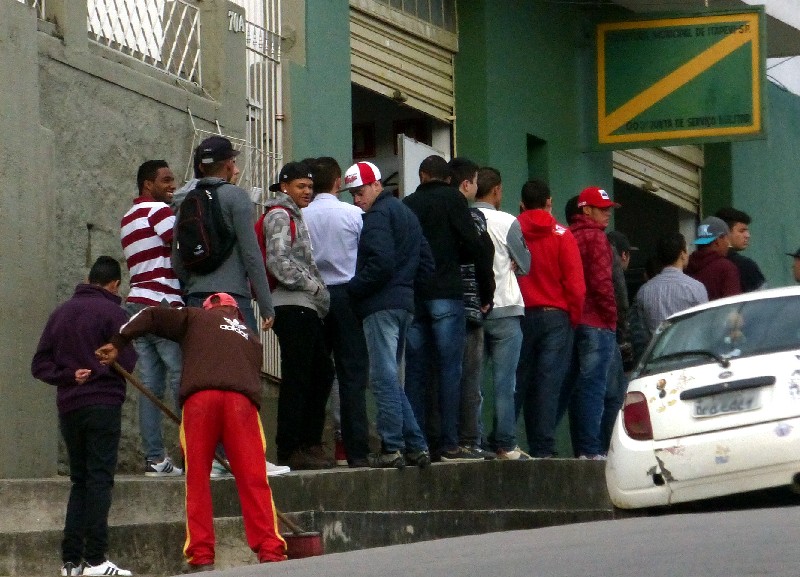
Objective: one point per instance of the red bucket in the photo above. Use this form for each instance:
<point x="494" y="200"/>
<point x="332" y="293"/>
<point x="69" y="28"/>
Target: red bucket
<point x="302" y="545"/>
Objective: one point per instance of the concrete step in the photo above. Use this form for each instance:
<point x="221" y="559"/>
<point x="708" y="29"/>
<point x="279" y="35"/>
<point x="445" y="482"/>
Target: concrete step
<point x="351" y="508"/>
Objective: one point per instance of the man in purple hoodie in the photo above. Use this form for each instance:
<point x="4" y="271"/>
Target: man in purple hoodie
<point x="89" y="398"/>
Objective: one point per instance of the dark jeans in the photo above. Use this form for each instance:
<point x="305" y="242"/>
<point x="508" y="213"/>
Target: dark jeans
<point x="92" y="438"/>
<point x="437" y="335"/>
<point x="615" y="397"/>
<point x="470" y="430"/>
<point x="345" y="336"/>
<point x="543" y="361"/>
<point x="585" y="387"/>
<point x="307" y="376"/>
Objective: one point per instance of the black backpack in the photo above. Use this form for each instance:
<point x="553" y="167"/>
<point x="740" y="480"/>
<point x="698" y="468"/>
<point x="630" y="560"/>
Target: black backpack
<point x="203" y="240"/>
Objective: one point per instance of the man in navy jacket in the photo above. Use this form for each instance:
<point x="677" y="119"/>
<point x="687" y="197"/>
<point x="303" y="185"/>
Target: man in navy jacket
<point x="393" y="259"/>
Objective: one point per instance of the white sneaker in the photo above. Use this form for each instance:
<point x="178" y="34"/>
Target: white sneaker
<point x="515" y="454"/>
<point x="218" y="471"/>
<point x="165" y="468"/>
<point x="105" y="568"/>
<point x="592" y="458"/>
<point x="274" y="470"/>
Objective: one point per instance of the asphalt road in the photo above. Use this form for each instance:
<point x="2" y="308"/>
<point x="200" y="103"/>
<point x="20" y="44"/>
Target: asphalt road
<point x="758" y="542"/>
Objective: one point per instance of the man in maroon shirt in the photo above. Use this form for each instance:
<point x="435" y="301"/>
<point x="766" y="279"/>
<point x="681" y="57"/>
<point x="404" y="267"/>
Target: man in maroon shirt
<point x="595" y="335"/>
<point x="220" y="396"/>
<point x="709" y="263"/>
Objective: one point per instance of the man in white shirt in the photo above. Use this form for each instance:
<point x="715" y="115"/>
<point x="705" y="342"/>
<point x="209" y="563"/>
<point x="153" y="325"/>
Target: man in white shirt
<point x="335" y="228"/>
<point x="502" y="330"/>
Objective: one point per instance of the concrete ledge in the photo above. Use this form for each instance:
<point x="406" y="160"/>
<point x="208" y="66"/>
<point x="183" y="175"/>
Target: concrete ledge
<point x="352" y="508"/>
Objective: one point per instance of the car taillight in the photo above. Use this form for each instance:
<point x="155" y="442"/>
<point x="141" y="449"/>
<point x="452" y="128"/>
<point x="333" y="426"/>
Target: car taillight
<point x="636" y="417"/>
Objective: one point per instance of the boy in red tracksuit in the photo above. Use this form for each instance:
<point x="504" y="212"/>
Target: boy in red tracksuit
<point x="220" y="395"/>
<point x="553" y="293"/>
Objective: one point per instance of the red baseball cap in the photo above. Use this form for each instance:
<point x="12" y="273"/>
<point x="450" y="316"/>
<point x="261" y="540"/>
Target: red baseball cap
<point x="597" y="197"/>
<point x="360" y="174"/>
<point x="219" y="300"/>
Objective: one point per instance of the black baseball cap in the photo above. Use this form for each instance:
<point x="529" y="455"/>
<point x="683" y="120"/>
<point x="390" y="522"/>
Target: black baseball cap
<point x="213" y="149"/>
<point x="291" y="171"/>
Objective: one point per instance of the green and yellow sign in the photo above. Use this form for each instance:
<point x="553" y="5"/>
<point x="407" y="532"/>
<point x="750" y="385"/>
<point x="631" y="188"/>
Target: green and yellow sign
<point x="681" y="79"/>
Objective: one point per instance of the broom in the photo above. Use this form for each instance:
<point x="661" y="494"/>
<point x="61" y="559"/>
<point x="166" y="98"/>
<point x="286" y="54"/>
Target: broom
<point x="310" y="549"/>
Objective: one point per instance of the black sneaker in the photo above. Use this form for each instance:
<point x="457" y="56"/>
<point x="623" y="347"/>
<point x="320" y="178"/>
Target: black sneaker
<point x="461" y="454"/>
<point x="421" y="459"/>
<point x="386" y="460"/>
<point x="487" y="455"/>
<point x="70" y="569"/>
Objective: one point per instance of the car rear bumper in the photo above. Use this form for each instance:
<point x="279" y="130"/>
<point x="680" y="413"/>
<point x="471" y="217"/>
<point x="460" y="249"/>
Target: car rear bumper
<point x="652" y="473"/>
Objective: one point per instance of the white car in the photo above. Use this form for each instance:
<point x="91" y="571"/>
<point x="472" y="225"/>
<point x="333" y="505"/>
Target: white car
<point x="713" y="408"/>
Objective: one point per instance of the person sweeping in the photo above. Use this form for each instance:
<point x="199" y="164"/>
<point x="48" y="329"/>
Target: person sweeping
<point x="220" y="395"/>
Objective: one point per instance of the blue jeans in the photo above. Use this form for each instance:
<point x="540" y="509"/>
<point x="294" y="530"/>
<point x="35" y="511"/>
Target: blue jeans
<point x="593" y="351"/>
<point x="503" y="338"/>
<point x="544" y="358"/>
<point x="159" y="363"/>
<point x="385" y="333"/>
<point x="438" y="333"/>
<point x="615" y="396"/>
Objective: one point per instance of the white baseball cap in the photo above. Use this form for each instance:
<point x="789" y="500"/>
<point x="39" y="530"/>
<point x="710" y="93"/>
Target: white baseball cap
<point x="361" y="173"/>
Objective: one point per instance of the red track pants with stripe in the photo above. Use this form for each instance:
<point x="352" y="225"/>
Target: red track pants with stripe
<point x="209" y="417"/>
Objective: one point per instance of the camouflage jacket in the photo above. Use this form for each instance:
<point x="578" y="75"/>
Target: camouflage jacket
<point x="290" y="260"/>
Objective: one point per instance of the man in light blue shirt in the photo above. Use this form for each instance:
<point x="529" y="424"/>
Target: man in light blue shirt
<point x="335" y="228"/>
<point x="671" y="290"/>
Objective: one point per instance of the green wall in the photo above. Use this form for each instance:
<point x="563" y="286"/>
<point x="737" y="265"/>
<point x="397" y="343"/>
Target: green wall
<point x="766" y="181"/>
<point x="319" y="107"/>
<point x="525" y="71"/>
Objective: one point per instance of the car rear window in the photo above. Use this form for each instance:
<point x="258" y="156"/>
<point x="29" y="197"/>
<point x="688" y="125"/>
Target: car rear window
<point x="726" y="332"/>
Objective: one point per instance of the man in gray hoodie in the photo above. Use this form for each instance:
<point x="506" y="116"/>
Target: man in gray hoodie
<point x="301" y="302"/>
<point x="215" y="160"/>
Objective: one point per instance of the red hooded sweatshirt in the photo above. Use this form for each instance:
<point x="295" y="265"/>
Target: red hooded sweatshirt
<point x="600" y="307"/>
<point x="556" y="274"/>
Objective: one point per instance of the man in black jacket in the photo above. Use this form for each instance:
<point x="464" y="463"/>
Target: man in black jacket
<point x="439" y="322"/>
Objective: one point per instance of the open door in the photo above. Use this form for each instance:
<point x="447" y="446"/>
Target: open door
<point x="411" y="154"/>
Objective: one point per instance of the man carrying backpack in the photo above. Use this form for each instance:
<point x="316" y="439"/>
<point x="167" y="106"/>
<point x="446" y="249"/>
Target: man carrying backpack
<point x="301" y="302"/>
<point x="225" y="221"/>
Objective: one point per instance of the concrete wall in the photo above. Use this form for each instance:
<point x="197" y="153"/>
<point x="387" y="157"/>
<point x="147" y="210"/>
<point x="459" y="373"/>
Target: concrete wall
<point x="26" y="258"/>
<point x="79" y="121"/>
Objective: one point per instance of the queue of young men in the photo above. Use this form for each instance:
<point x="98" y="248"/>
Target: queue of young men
<point x="431" y="283"/>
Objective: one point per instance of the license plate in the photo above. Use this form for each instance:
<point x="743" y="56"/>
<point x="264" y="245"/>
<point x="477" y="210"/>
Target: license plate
<point x="726" y="403"/>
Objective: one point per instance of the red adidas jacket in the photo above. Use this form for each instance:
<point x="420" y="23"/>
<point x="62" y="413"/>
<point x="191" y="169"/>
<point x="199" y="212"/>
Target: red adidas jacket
<point x="556" y="274"/>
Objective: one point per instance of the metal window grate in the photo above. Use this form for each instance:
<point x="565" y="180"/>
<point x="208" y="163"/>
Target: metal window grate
<point x="38" y="4"/>
<point x="264" y="117"/>
<point x="162" y="33"/>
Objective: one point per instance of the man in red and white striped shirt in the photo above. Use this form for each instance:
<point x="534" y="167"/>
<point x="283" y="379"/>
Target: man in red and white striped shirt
<point x="146" y="235"/>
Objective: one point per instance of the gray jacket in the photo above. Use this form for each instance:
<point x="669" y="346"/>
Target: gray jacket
<point x="291" y="261"/>
<point x="244" y="268"/>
